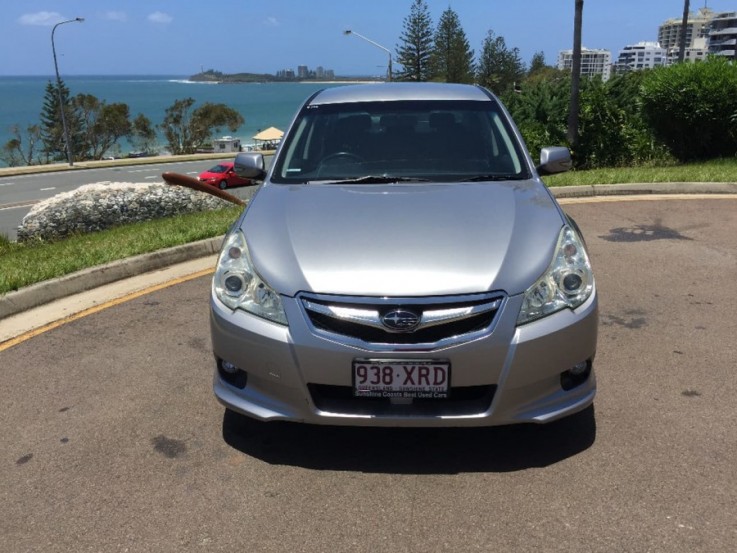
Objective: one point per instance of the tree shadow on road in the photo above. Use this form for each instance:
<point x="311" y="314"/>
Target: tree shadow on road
<point x="411" y="450"/>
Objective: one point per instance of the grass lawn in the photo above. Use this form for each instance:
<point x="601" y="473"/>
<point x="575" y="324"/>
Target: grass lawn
<point x="27" y="263"/>
<point x="718" y="170"/>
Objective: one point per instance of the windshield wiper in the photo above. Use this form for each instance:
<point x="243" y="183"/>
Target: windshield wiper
<point x="482" y="178"/>
<point x="379" y="179"/>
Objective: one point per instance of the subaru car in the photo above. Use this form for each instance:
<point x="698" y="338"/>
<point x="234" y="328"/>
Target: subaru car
<point x="403" y="264"/>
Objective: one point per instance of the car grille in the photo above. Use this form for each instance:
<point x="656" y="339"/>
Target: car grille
<point x="359" y="320"/>
<point x="462" y="401"/>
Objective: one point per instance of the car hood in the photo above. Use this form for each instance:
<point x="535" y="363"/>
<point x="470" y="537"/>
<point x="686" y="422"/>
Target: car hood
<point x="402" y="240"/>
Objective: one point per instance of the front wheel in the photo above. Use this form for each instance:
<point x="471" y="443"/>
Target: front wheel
<point x="223" y="184"/>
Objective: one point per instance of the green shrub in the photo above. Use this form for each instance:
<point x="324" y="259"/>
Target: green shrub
<point x="612" y="130"/>
<point x="691" y="108"/>
<point x="540" y="111"/>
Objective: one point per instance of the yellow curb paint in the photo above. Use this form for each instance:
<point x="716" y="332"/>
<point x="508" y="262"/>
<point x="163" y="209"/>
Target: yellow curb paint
<point x="96" y="309"/>
<point x="645" y="198"/>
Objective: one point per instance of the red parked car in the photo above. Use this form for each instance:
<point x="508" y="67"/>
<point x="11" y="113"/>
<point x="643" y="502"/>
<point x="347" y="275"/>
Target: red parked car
<point x="223" y="176"/>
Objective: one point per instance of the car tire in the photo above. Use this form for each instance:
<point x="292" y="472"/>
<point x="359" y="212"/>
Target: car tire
<point x="223" y="184"/>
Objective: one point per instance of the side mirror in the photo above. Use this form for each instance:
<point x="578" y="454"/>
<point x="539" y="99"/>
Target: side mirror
<point x="554" y="159"/>
<point x="250" y="165"/>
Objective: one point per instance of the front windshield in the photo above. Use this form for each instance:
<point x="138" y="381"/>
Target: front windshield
<point x="427" y="140"/>
<point x="218" y="169"/>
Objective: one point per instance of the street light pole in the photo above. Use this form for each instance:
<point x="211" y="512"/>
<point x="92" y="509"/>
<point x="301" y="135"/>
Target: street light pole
<point x="58" y="88"/>
<point x="389" y="68"/>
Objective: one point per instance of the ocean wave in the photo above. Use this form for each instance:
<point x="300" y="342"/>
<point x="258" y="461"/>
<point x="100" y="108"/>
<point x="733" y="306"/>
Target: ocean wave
<point x="187" y="81"/>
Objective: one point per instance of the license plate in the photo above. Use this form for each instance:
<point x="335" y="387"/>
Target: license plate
<point x="421" y="379"/>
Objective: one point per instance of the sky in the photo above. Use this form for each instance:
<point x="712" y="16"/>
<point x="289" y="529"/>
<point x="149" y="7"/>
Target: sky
<point x="182" y="37"/>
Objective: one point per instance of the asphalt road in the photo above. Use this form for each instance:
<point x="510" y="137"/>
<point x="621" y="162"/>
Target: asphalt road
<point x="19" y="193"/>
<point x="112" y="441"/>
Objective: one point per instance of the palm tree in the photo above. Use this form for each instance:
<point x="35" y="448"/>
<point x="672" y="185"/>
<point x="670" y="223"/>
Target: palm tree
<point x="684" y="27"/>
<point x="575" y="77"/>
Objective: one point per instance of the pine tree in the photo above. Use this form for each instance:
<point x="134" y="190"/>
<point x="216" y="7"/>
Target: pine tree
<point x="452" y="55"/>
<point x="537" y="63"/>
<point x="415" y="50"/>
<point x="52" y="129"/>
<point x="52" y="134"/>
<point x="499" y="68"/>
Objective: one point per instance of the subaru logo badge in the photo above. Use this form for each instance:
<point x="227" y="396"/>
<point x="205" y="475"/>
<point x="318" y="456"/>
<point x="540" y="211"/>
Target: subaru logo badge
<point x="400" y="320"/>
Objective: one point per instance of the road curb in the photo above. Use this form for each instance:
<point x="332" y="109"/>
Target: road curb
<point x="644" y="188"/>
<point x="87" y="279"/>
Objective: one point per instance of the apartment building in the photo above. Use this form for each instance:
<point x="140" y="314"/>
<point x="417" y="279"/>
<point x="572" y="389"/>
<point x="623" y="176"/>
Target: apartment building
<point x="669" y="33"/>
<point x="593" y="62"/>
<point x="643" y="55"/>
<point x="723" y="35"/>
<point x="697" y="52"/>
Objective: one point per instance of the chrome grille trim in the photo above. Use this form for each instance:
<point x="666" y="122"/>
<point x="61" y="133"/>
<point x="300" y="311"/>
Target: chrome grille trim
<point x="372" y="318"/>
<point x="366" y="312"/>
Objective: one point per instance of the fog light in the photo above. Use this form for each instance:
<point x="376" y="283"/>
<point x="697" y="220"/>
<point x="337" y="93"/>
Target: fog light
<point x="576" y="375"/>
<point x="229" y="368"/>
<point x="232" y="374"/>
<point x="578" y="370"/>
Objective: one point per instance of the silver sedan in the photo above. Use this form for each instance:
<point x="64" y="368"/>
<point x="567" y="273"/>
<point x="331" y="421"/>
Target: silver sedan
<point x="404" y="265"/>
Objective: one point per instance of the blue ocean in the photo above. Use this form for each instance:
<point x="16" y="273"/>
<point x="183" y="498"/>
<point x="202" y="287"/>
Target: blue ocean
<point x="262" y="105"/>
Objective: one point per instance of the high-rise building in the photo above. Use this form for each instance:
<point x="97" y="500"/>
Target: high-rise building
<point x="697" y="52"/>
<point x="593" y="62"/>
<point x="723" y="35"/>
<point x="643" y="55"/>
<point x="697" y="32"/>
<point x="669" y="33"/>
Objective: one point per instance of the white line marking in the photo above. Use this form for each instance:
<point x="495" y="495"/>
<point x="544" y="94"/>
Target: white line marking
<point x="47" y="189"/>
<point x="7" y="184"/>
<point x="153" y="177"/>
<point x="23" y="206"/>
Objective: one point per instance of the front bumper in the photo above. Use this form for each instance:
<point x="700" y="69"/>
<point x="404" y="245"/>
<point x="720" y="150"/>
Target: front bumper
<point x="510" y="375"/>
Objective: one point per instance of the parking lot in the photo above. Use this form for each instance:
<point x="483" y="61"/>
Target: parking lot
<point x="112" y="440"/>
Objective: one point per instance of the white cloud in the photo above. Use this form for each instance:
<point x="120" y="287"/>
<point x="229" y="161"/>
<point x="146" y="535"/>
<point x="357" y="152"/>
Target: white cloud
<point x="115" y="16"/>
<point x="273" y="21"/>
<point x="41" y="18"/>
<point x="160" y="17"/>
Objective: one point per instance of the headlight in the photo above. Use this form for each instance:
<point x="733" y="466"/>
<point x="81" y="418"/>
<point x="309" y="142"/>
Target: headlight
<point x="237" y="285"/>
<point x="567" y="283"/>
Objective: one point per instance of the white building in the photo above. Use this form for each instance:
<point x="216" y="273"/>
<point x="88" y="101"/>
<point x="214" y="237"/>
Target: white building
<point x="697" y="34"/>
<point x="643" y="55"/>
<point x="669" y="33"/>
<point x="593" y="62"/>
<point x="697" y="52"/>
<point x="723" y="35"/>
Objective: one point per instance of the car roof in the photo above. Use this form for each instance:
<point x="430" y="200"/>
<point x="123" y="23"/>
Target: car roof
<point x="386" y="92"/>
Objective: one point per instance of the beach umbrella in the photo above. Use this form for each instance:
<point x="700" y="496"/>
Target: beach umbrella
<point x="270" y="134"/>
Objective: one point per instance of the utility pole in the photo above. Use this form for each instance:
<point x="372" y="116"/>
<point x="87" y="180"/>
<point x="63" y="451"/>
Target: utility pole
<point x="70" y="159"/>
<point x="389" y="67"/>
